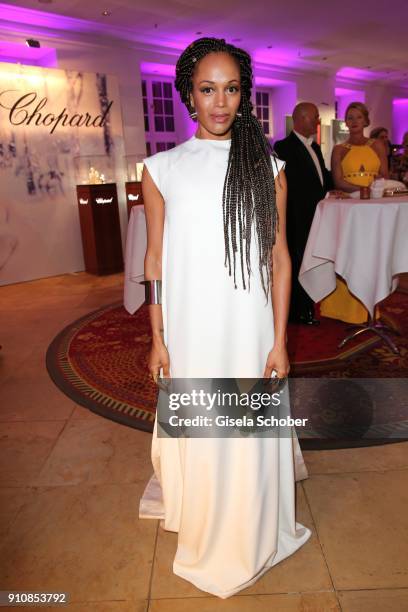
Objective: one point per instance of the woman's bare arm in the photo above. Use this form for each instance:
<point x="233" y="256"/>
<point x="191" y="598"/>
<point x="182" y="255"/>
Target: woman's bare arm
<point x="154" y="211"/>
<point x="281" y="266"/>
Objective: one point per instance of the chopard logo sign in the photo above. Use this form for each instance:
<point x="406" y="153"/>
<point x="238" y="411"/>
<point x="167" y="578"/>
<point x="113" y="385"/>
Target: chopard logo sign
<point x="104" y="200"/>
<point x="29" y="109"/>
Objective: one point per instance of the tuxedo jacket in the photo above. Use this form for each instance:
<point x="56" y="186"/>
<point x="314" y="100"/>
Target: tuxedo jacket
<point x="304" y="188"/>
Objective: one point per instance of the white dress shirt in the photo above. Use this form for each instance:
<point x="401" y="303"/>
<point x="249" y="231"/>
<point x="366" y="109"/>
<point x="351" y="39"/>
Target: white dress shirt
<point x="308" y="144"/>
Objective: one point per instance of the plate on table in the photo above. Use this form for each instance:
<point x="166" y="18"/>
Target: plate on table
<point x="392" y="193"/>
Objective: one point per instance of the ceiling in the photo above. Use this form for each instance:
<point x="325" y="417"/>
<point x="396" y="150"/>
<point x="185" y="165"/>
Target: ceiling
<point x="319" y="35"/>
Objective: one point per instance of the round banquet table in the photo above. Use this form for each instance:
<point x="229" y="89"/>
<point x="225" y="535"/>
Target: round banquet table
<point x="134" y="259"/>
<point x="363" y="241"/>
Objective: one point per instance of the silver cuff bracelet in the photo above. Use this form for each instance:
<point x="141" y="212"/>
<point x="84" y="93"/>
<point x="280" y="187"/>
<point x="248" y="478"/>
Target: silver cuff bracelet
<point x="152" y="291"/>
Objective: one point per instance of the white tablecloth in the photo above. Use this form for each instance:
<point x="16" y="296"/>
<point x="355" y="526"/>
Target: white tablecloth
<point x="364" y="241"/>
<point x="134" y="259"/>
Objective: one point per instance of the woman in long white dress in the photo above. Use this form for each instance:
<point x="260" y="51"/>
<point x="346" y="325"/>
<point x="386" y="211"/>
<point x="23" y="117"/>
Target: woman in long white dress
<point x="215" y="211"/>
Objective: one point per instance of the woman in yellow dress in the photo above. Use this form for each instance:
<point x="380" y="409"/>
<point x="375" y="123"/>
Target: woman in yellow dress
<point x="355" y="163"/>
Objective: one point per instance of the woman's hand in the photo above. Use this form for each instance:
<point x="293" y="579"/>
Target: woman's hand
<point x="277" y="360"/>
<point x="159" y="358"/>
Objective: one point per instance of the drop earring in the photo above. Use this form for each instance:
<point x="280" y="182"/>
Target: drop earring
<point x="239" y="115"/>
<point x="193" y="115"/>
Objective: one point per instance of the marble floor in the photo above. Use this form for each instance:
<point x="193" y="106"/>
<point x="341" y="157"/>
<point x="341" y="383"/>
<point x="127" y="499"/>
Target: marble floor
<point x="70" y="482"/>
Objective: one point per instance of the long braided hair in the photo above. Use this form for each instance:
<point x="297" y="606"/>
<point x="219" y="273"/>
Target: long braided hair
<point x="249" y="188"/>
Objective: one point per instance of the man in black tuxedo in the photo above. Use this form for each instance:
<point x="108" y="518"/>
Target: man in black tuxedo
<point x="308" y="182"/>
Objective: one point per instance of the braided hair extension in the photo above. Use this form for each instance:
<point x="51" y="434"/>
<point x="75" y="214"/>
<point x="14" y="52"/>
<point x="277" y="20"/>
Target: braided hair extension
<point x="249" y="189"/>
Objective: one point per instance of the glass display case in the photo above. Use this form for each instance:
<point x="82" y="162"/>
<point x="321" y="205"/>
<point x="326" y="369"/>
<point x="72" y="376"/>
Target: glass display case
<point x="340" y="131"/>
<point x="94" y="169"/>
<point x="134" y="167"/>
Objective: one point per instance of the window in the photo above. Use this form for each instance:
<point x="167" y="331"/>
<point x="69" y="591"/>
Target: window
<point x="163" y="106"/>
<point x="164" y="146"/>
<point x="145" y="108"/>
<point x="158" y="109"/>
<point x="263" y="110"/>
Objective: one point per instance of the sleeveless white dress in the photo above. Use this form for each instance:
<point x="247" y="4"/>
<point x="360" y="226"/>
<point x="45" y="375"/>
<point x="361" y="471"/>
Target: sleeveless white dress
<point x="231" y="500"/>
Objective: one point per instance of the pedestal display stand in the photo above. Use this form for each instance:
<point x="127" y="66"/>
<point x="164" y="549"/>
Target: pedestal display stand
<point x="134" y="196"/>
<point x="100" y="228"/>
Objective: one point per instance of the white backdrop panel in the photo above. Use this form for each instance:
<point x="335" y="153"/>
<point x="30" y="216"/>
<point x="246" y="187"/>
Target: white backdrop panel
<point x="47" y="118"/>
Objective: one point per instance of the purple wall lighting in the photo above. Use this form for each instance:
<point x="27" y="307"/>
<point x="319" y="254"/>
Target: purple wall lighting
<point x="262" y="81"/>
<point x="20" y="53"/>
<point x="153" y="68"/>
<point x="286" y="57"/>
<point x="399" y="118"/>
<point x="345" y="91"/>
<point x="344" y="96"/>
<point x="348" y="72"/>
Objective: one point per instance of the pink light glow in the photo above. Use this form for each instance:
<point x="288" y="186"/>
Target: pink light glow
<point x="348" y="72"/>
<point x="20" y="53"/>
<point x="268" y="82"/>
<point x="399" y="118"/>
<point x="343" y="91"/>
<point x="277" y="57"/>
<point x="345" y="96"/>
<point x="155" y="68"/>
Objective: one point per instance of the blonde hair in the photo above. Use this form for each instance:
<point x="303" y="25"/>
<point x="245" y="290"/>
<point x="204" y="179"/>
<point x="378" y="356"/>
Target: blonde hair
<point x="360" y="107"/>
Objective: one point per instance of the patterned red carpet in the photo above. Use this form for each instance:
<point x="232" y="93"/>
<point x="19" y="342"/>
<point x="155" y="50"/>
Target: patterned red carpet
<point x="314" y="352"/>
<point x="100" y="360"/>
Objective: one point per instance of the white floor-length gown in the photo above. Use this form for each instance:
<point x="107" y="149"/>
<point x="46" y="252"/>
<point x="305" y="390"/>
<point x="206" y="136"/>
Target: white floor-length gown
<point x="231" y="500"/>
